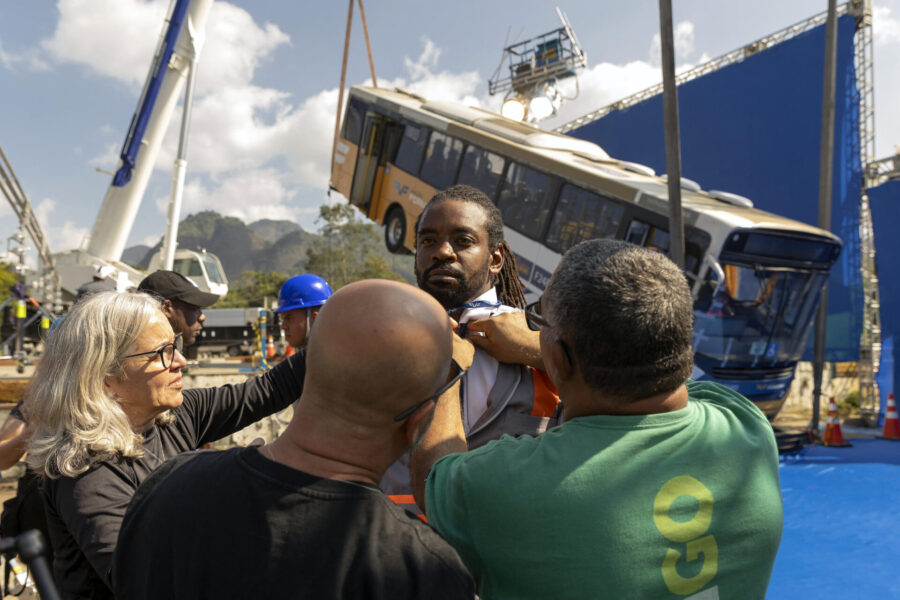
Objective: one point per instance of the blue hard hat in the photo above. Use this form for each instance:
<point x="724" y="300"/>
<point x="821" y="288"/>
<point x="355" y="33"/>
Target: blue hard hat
<point x="303" y="291"/>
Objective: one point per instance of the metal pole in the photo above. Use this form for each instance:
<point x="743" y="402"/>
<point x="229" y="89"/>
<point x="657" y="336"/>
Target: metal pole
<point x="337" y="117"/>
<point x="673" y="143"/>
<point x="362" y="14"/>
<point x="826" y="163"/>
<point x="178" y="173"/>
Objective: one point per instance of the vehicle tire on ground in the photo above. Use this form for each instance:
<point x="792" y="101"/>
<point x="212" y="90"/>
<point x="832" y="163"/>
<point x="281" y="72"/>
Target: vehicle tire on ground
<point x="395" y="231"/>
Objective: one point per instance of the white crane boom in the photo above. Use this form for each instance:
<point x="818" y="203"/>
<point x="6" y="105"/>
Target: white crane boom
<point x="120" y="206"/>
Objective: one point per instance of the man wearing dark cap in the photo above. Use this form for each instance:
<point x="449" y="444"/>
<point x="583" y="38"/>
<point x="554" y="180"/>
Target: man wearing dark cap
<point x="182" y="302"/>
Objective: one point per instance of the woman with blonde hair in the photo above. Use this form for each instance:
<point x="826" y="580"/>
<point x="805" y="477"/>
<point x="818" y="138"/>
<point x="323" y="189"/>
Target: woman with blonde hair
<point x="108" y="408"/>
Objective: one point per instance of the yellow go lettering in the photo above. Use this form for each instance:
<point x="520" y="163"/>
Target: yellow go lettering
<point x="688" y="585"/>
<point x="688" y="532"/>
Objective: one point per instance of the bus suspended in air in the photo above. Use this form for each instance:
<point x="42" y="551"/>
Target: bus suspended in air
<point x="755" y="277"/>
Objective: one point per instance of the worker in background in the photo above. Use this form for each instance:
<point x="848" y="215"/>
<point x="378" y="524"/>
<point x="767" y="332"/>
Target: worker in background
<point x="299" y="301"/>
<point x="101" y="282"/>
<point x="182" y="302"/>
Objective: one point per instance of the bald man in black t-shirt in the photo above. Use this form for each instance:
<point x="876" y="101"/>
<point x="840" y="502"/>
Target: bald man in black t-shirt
<point x="303" y="517"/>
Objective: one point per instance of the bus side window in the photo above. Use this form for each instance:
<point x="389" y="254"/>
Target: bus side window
<point x="441" y="160"/>
<point x="353" y="121"/>
<point x="658" y="240"/>
<point x="481" y="169"/>
<point x="189" y="267"/>
<point x="525" y="200"/>
<point x="393" y="134"/>
<point x="581" y="215"/>
<point x="637" y="233"/>
<point x="409" y="154"/>
<point x="644" y="234"/>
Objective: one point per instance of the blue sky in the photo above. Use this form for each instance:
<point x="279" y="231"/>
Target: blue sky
<point x="71" y="73"/>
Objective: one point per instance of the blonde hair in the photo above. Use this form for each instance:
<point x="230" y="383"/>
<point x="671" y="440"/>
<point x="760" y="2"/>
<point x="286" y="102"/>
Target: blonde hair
<point x="78" y="421"/>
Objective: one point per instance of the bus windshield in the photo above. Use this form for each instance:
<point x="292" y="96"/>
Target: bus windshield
<point x="212" y="269"/>
<point x="758" y="317"/>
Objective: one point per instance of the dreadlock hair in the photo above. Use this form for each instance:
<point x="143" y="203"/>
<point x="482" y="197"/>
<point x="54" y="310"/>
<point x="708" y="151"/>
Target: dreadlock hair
<point x="509" y="286"/>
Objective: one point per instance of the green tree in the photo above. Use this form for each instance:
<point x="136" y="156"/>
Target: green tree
<point x="349" y="249"/>
<point x="252" y="288"/>
<point x="8" y="278"/>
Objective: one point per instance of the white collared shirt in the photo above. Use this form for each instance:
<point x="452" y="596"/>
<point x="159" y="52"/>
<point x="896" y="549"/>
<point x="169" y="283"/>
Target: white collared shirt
<point x="481" y="376"/>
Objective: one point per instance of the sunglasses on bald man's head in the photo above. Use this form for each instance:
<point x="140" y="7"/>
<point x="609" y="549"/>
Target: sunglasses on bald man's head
<point x="433" y="398"/>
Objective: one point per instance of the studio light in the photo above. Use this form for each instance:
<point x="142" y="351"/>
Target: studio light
<point x="513" y="108"/>
<point x="541" y="107"/>
<point x="545" y="101"/>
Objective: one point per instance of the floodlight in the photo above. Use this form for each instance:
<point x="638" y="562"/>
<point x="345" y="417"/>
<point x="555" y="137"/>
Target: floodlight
<point x="513" y="108"/>
<point x="541" y="107"/>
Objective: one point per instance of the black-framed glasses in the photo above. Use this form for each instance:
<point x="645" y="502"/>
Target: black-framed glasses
<point x="533" y="317"/>
<point x="536" y="322"/>
<point x="166" y="353"/>
<point x="433" y="398"/>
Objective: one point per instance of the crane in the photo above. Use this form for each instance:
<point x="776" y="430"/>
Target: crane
<point x="173" y="67"/>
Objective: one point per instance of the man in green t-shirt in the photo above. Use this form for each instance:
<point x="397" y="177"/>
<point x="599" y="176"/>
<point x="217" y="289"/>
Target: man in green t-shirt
<point x="654" y="486"/>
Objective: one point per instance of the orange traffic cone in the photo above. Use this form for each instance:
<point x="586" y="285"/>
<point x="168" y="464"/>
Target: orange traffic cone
<point x="288" y="351"/>
<point x="833" y="435"/>
<point x="891" y="423"/>
<point x="270" y="347"/>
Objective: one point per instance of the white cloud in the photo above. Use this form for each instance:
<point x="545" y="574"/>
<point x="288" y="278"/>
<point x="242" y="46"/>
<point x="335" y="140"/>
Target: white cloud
<point x="603" y="84"/>
<point x="108" y="160"/>
<point x="248" y="127"/>
<point x="886" y="34"/>
<point x="238" y="130"/>
<point x="114" y="38"/>
<point x="117" y="39"/>
<point x="150" y="240"/>
<point x="424" y="79"/>
<point x="683" y="40"/>
<point x="885" y="27"/>
<point x="63" y="237"/>
<point x="606" y="83"/>
<point x="235" y="46"/>
<point x="29" y="59"/>
<point x="249" y="195"/>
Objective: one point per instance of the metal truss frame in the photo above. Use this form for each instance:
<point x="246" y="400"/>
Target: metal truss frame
<point x="11" y="189"/>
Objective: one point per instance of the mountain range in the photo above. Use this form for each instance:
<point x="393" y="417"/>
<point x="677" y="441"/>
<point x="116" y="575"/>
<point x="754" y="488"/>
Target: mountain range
<point x="264" y="245"/>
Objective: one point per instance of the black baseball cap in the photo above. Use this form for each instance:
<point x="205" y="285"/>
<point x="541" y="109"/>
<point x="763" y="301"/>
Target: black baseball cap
<point x="170" y="285"/>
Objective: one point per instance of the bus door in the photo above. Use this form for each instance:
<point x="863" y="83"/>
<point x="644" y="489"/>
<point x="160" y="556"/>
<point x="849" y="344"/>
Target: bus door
<point x="367" y="162"/>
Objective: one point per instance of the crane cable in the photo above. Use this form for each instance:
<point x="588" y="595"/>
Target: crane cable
<point x="340" y="103"/>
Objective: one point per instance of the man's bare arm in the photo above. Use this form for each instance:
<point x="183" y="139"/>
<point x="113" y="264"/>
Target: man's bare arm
<point x="445" y="435"/>
<point x="14" y="435"/>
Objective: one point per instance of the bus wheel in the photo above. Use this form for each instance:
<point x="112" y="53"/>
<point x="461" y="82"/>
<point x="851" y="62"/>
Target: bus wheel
<point x="395" y="230"/>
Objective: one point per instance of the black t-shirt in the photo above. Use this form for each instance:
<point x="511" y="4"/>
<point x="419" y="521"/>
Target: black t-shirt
<point x="84" y="512"/>
<point x="234" y="524"/>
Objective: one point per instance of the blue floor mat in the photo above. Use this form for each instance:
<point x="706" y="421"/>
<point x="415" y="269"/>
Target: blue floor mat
<point x="841" y="523"/>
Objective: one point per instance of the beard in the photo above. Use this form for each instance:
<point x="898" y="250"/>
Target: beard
<point x="454" y="295"/>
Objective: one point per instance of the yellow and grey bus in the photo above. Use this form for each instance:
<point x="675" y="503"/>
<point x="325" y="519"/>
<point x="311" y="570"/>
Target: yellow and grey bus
<point x="756" y="277"/>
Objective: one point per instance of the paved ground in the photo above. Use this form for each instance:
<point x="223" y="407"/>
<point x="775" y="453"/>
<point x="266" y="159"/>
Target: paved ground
<point x="11" y="385"/>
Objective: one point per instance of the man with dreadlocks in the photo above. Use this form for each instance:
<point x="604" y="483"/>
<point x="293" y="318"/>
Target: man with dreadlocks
<point x="463" y="261"/>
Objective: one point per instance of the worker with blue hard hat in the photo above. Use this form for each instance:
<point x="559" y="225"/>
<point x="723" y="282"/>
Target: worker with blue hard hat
<point x="299" y="301"/>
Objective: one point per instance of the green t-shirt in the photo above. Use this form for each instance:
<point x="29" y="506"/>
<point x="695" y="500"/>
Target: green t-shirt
<point x="671" y="505"/>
